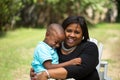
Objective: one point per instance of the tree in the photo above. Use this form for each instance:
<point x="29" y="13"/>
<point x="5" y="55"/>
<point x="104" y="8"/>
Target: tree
<point x="118" y="8"/>
<point x="43" y="12"/>
<point x="8" y="11"/>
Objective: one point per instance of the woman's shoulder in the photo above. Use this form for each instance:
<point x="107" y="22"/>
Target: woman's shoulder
<point x="87" y="44"/>
<point x="90" y="43"/>
<point x="89" y="48"/>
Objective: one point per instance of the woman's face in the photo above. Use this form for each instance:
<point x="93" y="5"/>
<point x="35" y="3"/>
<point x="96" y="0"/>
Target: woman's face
<point x="73" y="34"/>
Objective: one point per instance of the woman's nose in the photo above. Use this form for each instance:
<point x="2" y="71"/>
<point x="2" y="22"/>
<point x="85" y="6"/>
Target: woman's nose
<point x="72" y="34"/>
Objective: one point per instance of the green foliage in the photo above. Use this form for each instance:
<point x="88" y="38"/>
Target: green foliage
<point x="53" y="1"/>
<point x="97" y="5"/>
<point x="8" y="9"/>
<point x="42" y="12"/>
<point x="118" y="7"/>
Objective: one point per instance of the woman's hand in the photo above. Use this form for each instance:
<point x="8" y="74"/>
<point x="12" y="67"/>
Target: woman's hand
<point x="41" y="76"/>
<point x="32" y="74"/>
<point x="76" y="61"/>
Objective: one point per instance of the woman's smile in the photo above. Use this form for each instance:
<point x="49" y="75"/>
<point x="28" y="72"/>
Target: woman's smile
<point x="70" y="40"/>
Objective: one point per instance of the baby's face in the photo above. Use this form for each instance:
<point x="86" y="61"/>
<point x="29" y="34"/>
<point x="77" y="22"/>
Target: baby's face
<point x="56" y="40"/>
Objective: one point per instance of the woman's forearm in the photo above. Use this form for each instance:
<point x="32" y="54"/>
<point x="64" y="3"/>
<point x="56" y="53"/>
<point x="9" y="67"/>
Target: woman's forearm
<point x="58" y="73"/>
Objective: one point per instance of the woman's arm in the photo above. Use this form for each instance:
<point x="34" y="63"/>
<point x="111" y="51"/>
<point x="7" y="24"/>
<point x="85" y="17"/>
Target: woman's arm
<point x="58" y="73"/>
<point x="32" y="74"/>
<point x="61" y="72"/>
<point x="48" y="64"/>
<point x="89" y="57"/>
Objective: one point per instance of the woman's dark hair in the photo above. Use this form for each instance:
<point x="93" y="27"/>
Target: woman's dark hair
<point x="78" y="20"/>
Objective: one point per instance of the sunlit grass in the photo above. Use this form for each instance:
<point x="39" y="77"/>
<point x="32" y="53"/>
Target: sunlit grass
<point x="109" y="35"/>
<point x="16" y="49"/>
<point x="104" y="31"/>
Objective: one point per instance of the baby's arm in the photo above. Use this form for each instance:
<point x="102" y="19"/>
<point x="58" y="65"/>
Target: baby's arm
<point x="48" y="64"/>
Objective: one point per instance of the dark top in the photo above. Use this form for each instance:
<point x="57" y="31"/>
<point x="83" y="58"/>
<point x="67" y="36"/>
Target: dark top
<point x="88" y="51"/>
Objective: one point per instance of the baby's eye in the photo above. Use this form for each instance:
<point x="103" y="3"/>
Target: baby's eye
<point x="56" y="42"/>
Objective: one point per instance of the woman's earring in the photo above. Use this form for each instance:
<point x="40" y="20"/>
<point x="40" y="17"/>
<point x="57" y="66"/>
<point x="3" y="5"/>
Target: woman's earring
<point x="83" y="37"/>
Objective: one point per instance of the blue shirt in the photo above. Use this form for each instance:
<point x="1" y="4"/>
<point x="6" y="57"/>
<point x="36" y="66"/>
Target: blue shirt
<point x="42" y="53"/>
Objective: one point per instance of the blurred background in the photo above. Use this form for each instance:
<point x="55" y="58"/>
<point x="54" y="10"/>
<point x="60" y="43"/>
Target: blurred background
<point x="23" y="23"/>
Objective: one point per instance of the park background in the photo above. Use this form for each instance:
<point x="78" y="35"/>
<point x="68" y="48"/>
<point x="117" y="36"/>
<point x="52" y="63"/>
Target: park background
<point x="23" y="24"/>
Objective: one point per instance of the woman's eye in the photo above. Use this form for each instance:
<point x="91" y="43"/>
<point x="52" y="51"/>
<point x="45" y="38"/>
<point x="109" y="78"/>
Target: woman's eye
<point x="68" y="30"/>
<point x="77" y="32"/>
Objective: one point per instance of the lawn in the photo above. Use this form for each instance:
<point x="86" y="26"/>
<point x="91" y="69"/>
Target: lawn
<point x="109" y="35"/>
<point x="16" y="50"/>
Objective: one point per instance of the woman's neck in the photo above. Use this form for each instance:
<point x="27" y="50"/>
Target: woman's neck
<point x="67" y="50"/>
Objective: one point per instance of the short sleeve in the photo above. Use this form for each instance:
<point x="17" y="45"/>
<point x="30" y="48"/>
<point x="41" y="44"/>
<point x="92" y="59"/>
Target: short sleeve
<point x="43" y="54"/>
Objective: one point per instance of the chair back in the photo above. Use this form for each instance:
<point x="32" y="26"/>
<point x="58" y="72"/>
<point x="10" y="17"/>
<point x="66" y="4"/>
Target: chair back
<point x="100" y="50"/>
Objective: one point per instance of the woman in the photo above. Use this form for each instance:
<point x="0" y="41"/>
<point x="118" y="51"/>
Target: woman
<point x="76" y="44"/>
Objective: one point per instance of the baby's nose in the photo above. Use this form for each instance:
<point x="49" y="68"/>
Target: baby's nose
<point x="57" y="45"/>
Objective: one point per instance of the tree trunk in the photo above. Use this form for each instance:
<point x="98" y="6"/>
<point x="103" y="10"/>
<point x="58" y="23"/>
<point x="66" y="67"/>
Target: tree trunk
<point x="118" y="8"/>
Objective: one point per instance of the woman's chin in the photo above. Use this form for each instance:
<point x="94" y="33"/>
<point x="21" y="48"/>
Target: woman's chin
<point x="70" y="45"/>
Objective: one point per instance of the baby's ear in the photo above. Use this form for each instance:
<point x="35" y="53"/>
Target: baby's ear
<point x="47" y="33"/>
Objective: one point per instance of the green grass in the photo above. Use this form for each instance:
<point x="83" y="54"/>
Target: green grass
<point x="109" y="35"/>
<point x="104" y="31"/>
<point x="16" y="49"/>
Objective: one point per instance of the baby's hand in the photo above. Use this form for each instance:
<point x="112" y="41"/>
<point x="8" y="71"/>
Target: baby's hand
<point x="76" y="61"/>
